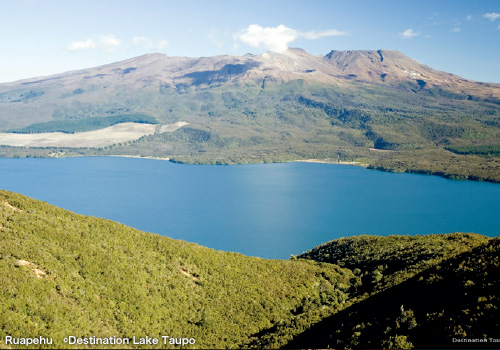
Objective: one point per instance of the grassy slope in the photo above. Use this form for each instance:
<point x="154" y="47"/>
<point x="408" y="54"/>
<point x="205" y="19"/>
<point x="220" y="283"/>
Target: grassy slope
<point x="105" y="279"/>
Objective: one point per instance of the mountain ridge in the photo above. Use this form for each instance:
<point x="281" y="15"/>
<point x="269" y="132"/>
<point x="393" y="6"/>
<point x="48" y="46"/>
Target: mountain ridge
<point x="336" y="63"/>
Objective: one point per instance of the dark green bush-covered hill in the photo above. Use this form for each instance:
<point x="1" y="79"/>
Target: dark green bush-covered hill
<point x="451" y="305"/>
<point x="382" y="262"/>
<point x="72" y="126"/>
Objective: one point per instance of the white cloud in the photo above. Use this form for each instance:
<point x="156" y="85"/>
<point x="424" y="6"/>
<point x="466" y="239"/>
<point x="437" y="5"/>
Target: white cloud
<point x="148" y="43"/>
<point x="455" y="30"/>
<point x="317" y="35"/>
<point x="272" y="38"/>
<point x="468" y="18"/>
<point x="84" y="45"/>
<point x="408" y="34"/>
<point x="106" y="43"/>
<point x="492" y="16"/>
<point x="109" y="43"/>
<point x="277" y="38"/>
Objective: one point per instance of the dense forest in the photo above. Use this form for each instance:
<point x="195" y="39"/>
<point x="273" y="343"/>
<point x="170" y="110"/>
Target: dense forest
<point x="71" y="126"/>
<point x="65" y="274"/>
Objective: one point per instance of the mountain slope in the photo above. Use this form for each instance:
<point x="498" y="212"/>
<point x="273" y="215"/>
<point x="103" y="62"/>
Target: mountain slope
<point x="156" y="74"/>
<point x="392" y="68"/>
<point x="83" y="93"/>
<point x="379" y="108"/>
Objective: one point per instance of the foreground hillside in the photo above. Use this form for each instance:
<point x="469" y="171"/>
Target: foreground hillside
<point x="451" y="305"/>
<point x="379" y="108"/>
<point x="63" y="274"/>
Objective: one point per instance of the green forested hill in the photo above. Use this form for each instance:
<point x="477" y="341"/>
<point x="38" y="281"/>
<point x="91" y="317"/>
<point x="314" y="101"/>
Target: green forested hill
<point x="441" y="307"/>
<point x="382" y="262"/>
<point x="65" y="274"/>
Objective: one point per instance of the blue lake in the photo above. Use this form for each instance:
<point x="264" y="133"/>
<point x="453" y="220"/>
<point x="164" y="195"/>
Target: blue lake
<point x="266" y="210"/>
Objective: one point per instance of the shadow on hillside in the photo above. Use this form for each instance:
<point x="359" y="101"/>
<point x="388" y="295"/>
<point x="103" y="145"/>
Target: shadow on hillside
<point x="455" y="300"/>
<point x="225" y="74"/>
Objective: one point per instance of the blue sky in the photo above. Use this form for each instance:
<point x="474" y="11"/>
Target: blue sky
<point x="52" y="36"/>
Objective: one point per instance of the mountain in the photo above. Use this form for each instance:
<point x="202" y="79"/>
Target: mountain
<point x="156" y="74"/>
<point x="377" y="108"/>
<point x="393" y="68"/>
<point x="65" y="274"/>
<point x="151" y="75"/>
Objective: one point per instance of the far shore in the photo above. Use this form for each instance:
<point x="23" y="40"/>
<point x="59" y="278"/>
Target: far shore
<point x="140" y="157"/>
<point x="312" y="160"/>
<point x="325" y="161"/>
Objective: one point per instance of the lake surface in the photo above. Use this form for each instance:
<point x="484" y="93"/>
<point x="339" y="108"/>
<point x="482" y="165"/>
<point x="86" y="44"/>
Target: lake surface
<point x="266" y="210"/>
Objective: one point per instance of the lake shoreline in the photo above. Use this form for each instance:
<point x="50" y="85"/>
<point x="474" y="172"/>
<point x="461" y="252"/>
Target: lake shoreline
<point x="326" y="161"/>
<point x="137" y="157"/>
<point x="451" y="176"/>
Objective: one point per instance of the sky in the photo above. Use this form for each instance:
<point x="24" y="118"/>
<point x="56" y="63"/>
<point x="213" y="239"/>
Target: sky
<point x="39" y="38"/>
